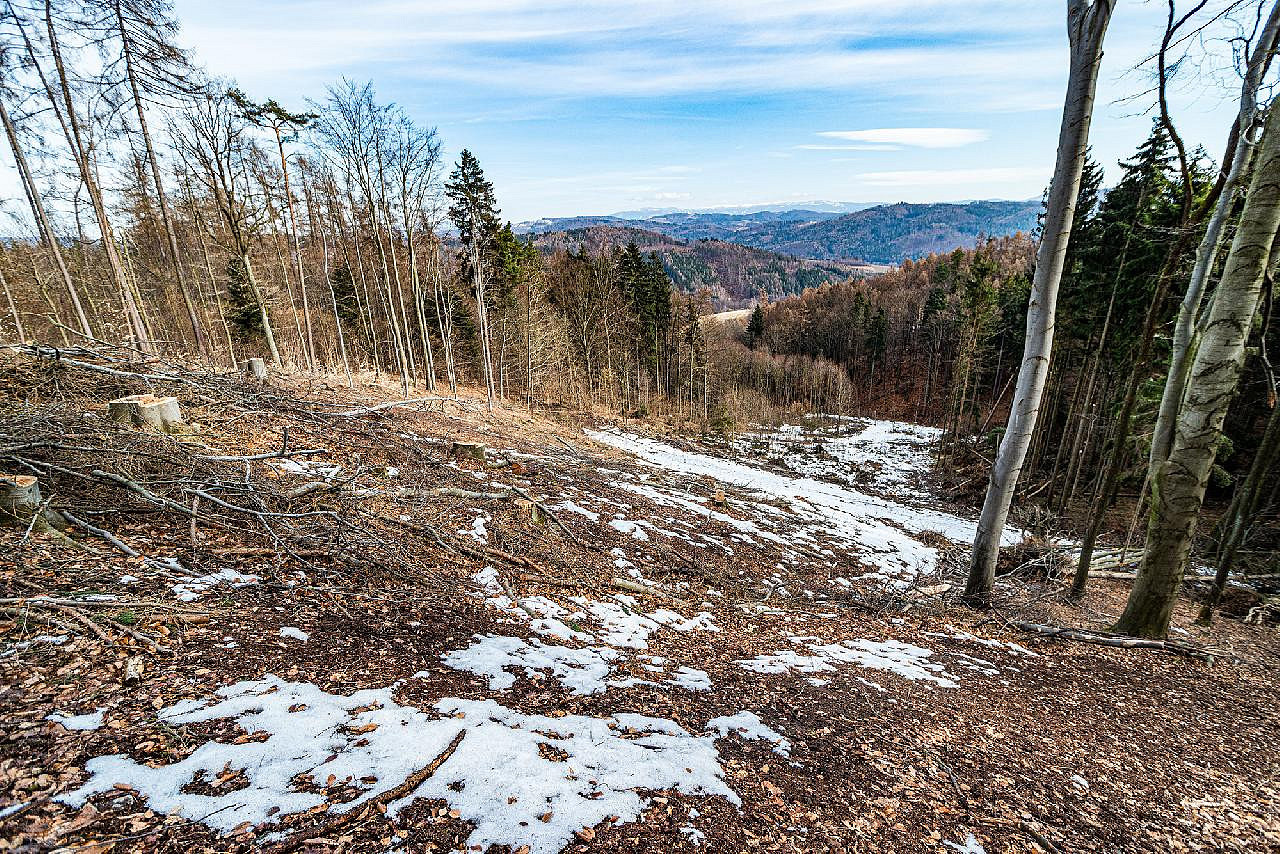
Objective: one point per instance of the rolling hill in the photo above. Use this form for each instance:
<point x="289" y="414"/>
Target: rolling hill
<point x="885" y="234"/>
<point x="733" y="274"/>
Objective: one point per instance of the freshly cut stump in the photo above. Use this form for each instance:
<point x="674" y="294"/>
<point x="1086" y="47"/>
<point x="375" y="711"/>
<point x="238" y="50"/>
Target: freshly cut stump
<point x="254" y="369"/>
<point x="467" y="450"/>
<point x="20" y="500"/>
<point x="146" y="410"/>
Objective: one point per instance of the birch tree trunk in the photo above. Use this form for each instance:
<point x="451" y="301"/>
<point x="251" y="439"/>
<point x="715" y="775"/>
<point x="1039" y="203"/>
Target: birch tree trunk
<point x="1178" y="485"/>
<point x="1086" y="26"/>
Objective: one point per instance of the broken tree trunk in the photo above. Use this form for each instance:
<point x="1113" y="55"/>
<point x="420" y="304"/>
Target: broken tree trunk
<point x="146" y="410"/>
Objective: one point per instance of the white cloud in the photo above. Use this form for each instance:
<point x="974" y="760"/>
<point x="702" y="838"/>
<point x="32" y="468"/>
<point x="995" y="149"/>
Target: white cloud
<point x="913" y="137"/>
<point x="868" y="147"/>
<point x="1000" y="175"/>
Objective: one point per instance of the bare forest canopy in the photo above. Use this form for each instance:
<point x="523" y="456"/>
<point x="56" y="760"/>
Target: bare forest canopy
<point x="883" y="234"/>
<point x="731" y="274"/>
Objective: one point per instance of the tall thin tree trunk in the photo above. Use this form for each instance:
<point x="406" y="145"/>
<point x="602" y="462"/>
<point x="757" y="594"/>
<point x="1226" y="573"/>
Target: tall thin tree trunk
<point x="309" y="342"/>
<point x="1184" y="331"/>
<point x="262" y="307"/>
<point x="42" y="220"/>
<point x="1178" y="485"/>
<point x="1086" y="27"/>
<point x="171" y="236"/>
<point x="81" y="153"/>
<point x="13" y="309"/>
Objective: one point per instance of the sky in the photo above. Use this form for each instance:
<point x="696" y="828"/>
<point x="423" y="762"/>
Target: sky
<point x="595" y="107"/>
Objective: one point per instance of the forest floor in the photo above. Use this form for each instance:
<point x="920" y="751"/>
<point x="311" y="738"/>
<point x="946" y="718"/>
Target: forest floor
<point x="597" y="640"/>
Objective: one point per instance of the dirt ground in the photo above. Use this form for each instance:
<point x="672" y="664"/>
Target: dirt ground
<point x="1035" y="743"/>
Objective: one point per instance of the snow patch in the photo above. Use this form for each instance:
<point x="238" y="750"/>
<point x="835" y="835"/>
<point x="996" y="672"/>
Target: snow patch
<point x="749" y="726"/>
<point x="87" y="721"/>
<point x="194" y="588"/>
<point x="598" y="767"/>
<point x="904" y="659"/>
<point x="583" y="671"/>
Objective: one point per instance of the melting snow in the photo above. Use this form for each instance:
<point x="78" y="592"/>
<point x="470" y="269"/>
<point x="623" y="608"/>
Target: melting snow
<point x="622" y="625"/>
<point x="971" y="845"/>
<point x="904" y="659"/>
<point x="477" y="531"/>
<point x="192" y="589"/>
<point x="294" y="632"/>
<point x="599" y="769"/>
<point x="576" y="508"/>
<point x="748" y="725"/>
<point x="880" y="529"/>
<point x="581" y="670"/>
<point x="692" y="679"/>
<point x="87" y="721"/>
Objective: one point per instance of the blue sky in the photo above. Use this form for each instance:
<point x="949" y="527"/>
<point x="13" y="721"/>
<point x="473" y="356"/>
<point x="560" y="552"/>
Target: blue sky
<point x="596" y="107"/>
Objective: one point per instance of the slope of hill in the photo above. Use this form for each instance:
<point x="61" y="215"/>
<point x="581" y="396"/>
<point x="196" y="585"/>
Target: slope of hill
<point x="885" y="234"/>
<point x="734" y="274"/>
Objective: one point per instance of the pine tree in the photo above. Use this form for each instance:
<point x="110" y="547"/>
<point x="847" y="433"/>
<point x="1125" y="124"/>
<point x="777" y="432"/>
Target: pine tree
<point x="755" y="327"/>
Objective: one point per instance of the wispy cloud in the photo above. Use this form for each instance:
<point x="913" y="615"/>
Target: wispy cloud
<point x="912" y="137"/>
<point x="868" y="147"/>
<point x="997" y="175"/>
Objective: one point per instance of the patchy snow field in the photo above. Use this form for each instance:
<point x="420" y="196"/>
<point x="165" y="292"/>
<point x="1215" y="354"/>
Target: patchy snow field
<point x="660" y="646"/>
<point x="822" y="501"/>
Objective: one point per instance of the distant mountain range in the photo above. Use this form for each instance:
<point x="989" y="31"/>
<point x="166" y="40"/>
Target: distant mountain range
<point x="732" y="273"/>
<point x="883" y="234"/>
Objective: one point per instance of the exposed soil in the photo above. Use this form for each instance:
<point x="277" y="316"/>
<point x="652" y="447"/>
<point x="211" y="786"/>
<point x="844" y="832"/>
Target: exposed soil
<point x="1076" y="748"/>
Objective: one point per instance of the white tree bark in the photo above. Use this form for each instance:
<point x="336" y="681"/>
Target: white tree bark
<point x="1178" y="485"/>
<point x="1086" y="27"/>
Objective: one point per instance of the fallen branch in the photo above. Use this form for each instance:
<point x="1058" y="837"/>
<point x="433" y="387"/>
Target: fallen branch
<point x="169" y="565"/>
<point x="352" y="413"/>
<point x="1120" y="641"/>
<point x="141" y="491"/>
<point x="270" y="455"/>
<point x="376" y="804"/>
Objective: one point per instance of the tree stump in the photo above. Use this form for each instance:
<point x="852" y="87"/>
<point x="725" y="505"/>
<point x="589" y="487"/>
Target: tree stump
<point x="467" y="450"/>
<point x="254" y="369"/>
<point x="20" y="501"/>
<point x="146" y="410"/>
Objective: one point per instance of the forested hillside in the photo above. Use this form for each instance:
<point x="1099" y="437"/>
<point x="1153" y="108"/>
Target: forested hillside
<point x="884" y="234"/>
<point x="732" y="275"/>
